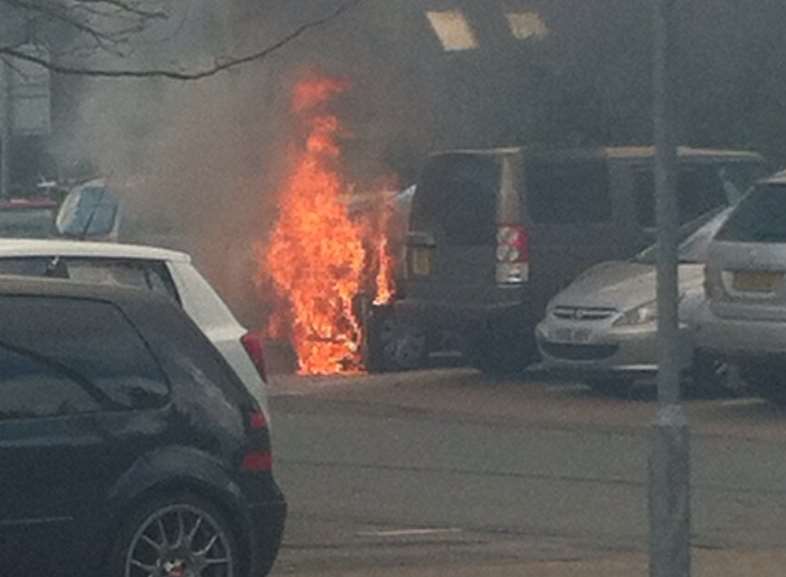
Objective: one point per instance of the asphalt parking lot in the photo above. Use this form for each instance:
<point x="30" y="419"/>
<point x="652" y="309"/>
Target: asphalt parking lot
<point x="420" y="473"/>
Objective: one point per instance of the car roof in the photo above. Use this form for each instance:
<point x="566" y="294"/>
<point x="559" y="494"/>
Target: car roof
<point x="623" y="152"/>
<point x="19" y="247"/>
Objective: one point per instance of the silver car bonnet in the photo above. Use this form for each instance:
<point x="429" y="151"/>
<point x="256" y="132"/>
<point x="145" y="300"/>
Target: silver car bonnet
<point x="622" y="285"/>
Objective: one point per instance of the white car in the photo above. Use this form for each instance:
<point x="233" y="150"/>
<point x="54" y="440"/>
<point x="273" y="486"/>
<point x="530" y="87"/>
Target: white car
<point x="159" y="270"/>
<point x="745" y="315"/>
<point x="602" y="328"/>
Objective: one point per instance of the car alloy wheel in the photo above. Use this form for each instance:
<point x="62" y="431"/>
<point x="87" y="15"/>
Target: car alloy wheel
<point x="395" y="344"/>
<point x="181" y="540"/>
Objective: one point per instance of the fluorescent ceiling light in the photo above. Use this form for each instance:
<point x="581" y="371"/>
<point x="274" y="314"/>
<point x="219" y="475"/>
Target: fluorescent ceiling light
<point x="526" y="25"/>
<point x="453" y="30"/>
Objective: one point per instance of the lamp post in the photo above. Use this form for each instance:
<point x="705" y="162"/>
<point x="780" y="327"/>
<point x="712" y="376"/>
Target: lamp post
<point x="5" y="129"/>
<point x="669" y="464"/>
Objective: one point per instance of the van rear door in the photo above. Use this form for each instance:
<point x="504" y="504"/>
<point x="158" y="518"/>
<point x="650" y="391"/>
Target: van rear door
<point x="451" y="248"/>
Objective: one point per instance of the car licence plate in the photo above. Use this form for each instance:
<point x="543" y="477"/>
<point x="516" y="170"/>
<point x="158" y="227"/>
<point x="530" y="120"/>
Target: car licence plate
<point x="421" y="261"/>
<point x="571" y="336"/>
<point x="756" y="281"/>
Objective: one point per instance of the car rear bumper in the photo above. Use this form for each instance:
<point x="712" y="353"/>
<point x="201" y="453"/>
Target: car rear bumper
<point x="740" y="339"/>
<point x="267" y="530"/>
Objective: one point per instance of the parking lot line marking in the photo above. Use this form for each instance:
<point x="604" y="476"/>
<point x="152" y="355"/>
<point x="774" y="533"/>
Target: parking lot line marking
<point x="558" y="388"/>
<point x="742" y="402"/>
<point x="407" y="532"/>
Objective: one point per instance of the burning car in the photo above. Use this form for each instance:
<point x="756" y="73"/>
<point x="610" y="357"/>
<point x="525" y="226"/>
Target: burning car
<point x="390" y="342"/>
<point x="331" y="257"/>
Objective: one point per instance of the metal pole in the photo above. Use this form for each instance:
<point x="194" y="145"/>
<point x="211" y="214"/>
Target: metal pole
<point x="5" y="130"/>
<point x="669" y="465"/>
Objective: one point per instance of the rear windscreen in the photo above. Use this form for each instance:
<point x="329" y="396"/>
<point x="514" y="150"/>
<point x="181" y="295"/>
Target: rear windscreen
<point x="456" y="199"/>
<point x="701" y="188"/>
<point x="760" y="217"/>
<point x="572" y="192"/>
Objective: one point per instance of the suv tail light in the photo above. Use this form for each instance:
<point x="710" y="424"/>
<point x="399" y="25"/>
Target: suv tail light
<point x="252" y="342"/>
<point x="258" y="457"/>
<point x="512" y="254"/>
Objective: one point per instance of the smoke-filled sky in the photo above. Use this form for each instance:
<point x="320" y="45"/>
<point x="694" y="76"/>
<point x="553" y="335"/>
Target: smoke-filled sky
<point x="206" y="157"/>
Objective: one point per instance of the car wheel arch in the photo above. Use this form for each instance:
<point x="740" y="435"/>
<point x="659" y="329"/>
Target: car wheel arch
<point x="171" y="471"/>
<point x="175" y="489"/>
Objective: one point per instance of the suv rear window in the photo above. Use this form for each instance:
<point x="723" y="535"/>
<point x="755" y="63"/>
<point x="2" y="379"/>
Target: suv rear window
<point x="89" y="342"/>
<point x="760" y="217"/>
<point x="568" y="192"/>
<point x="457" y="198"/>
<point x="701" y="188"/>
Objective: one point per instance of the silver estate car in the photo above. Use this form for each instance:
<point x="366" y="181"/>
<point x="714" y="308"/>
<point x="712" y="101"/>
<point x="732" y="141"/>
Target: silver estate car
<point x="744" y="318"/>
<point x="601" y="329"/>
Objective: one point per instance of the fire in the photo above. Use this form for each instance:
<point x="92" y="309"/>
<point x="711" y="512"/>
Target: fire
<point x="318" y="258"/>
<point x="384" y="283"/>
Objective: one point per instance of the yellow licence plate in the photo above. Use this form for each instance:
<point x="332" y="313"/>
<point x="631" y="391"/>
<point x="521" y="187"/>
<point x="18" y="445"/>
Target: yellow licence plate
<point x="421" y="261"/>
<point x="757" y="281"/>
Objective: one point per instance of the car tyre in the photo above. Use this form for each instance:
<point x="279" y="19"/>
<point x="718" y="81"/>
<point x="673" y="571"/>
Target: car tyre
<point x="394" y="344"/>
<point x="709" y="376"/>
<point x="502" y="352"/>
<point x="766" y="382"/>
<point x="176" y="535"/>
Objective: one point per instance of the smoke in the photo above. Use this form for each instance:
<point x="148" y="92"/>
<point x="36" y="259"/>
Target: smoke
<point x="198" y="164"/>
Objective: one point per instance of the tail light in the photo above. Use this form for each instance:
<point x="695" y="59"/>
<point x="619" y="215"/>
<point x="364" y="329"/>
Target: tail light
<point x="512" y="254"/>
<point x="258" y="457"/>
<point x="252" y="342"/>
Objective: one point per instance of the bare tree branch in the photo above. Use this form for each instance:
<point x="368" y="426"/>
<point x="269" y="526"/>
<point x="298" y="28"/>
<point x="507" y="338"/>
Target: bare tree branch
<point x="126" y="7"/>
<point x="219" y="66"/>
<point x="59" y="13"/>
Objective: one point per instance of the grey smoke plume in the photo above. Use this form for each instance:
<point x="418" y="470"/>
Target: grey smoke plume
<point x="198" y="163"/>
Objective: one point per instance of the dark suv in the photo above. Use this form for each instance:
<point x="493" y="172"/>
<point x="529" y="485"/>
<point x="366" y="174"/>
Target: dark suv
<point x="494" y="234"/>
<point x="127" y="446"/>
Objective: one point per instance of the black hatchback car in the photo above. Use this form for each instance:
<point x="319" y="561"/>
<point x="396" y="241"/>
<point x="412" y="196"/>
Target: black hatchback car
<point x="128" y="448"/>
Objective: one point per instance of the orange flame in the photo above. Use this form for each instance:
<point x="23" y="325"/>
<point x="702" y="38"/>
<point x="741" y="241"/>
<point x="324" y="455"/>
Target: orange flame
<point x="316" y="257"/>
<point x="385" y="287"/>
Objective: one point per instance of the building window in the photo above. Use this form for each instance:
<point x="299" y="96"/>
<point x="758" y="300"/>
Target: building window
<point x="453" y="30"/>
<point x="527" y="25"/>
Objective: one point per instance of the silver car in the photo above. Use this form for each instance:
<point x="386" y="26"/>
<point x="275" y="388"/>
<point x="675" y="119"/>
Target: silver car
<point x="602" y="328"/>
<point x="745" y="314"/>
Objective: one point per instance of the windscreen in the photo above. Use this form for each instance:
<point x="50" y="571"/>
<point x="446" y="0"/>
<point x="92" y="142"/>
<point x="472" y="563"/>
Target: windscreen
<point x="694" y="248"/>
<point x="760" y="217"/>
<point x="90" y="211"/>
